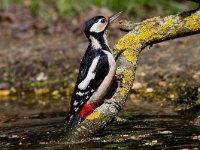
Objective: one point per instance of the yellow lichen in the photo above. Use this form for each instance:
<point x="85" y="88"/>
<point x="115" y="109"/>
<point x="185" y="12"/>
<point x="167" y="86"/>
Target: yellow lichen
<point x="166" y="29"/>
<point x="145" y="33"/>
<point x="192" y="22"/>
<point x="130" y="45"/>
<point x="124" y="42"/>
<point x="123" y="91"/>
<point x="152" y="30"/>
<point x="131" y="56"/>
<point x="128" y="74"/>
<point x="169" y="22"/>
<point x="111" y="99"/>
<point x="93" y="115"/>
<point x="180" y="25"/>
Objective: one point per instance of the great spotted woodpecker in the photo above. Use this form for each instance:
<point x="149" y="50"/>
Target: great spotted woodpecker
<point x="96" y="73"/>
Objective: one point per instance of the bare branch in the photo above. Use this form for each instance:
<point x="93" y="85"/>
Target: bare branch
<point x="142" y="34"/>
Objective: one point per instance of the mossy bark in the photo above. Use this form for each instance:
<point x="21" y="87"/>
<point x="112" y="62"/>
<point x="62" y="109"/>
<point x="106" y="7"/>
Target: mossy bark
<point x="140" y="35"/>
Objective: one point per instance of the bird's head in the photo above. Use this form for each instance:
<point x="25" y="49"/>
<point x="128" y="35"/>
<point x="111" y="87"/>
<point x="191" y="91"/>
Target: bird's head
<point x="98" y="25"/>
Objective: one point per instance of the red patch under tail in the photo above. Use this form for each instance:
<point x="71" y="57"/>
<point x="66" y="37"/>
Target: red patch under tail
<point x="87" y="108"/>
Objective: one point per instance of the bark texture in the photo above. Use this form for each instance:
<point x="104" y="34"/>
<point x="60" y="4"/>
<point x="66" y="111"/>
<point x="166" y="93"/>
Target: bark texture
<point x="139" y="36"/>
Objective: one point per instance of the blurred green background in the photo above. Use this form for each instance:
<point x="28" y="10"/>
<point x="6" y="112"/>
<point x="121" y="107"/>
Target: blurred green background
<point x="58" y="9"/>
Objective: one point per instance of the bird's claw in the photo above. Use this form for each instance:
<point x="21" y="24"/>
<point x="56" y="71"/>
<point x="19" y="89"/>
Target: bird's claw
<point x="119" y="78"/>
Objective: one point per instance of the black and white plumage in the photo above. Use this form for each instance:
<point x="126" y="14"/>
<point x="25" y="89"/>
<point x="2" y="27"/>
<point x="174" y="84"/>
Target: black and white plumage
<point x="96" y="72"/>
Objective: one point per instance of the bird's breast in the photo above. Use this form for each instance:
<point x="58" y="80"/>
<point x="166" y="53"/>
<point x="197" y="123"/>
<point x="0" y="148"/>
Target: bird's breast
<point x="106" y="83"/>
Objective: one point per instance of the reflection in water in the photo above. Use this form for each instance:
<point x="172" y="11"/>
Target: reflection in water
<point x="144" y="128"/>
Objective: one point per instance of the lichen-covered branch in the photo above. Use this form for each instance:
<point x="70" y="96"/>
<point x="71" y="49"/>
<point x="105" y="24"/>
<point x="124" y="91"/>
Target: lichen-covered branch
<point x="141" y="34"/>
<point x="159" y="29"/>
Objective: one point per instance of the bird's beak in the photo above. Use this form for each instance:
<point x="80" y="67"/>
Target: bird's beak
<point x="114" y="17"/>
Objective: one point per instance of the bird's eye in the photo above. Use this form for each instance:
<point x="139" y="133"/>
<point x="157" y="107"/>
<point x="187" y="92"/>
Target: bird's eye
<point x="103" y="20"/>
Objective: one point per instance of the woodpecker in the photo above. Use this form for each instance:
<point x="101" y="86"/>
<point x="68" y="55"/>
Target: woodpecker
<point x="96" y="73"/>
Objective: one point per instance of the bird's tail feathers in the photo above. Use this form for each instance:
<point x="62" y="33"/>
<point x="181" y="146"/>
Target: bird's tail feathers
<point x="72" y="120"/>
<point x="76" y="120"/>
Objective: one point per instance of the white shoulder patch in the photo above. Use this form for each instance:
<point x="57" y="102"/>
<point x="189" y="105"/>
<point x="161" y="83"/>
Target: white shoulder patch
<point x="90" y="75"/>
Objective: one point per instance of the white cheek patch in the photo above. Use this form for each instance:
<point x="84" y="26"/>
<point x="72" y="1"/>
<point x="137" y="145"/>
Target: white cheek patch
<point x="98" y="27"/>
<point x="90" y="75"/>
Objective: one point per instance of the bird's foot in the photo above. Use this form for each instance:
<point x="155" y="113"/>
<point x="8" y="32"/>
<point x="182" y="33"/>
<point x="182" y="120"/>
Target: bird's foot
<point x="119" y="78"/>
<point x="113" y="103"/>
<point x="117" y="53"/>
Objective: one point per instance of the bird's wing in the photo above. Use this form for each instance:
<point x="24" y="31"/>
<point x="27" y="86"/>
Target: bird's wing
<point x="89" y="79"/>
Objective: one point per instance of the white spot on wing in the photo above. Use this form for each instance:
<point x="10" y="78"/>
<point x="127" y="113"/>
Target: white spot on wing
<point x="71" y="117"/>
<point x="79" y="93"/>
<point x="90" y="75"/>
<point x="76" y="109"/>
<point x="75" y="103"/>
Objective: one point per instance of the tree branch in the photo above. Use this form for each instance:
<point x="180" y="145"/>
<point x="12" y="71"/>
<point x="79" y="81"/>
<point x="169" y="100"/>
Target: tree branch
<point x="142" y="34"/>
